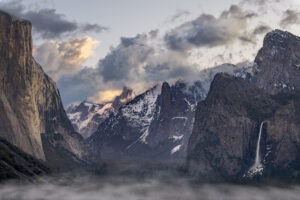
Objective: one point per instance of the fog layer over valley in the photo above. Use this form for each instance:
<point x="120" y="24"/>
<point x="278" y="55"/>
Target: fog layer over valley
<point x="161" y="186"/>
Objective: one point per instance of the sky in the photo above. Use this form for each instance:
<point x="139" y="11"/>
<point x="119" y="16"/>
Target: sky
<point x="94" y="48"/>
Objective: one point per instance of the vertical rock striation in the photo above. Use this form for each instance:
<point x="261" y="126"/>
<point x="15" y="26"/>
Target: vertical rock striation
<point x="30" y="103"/>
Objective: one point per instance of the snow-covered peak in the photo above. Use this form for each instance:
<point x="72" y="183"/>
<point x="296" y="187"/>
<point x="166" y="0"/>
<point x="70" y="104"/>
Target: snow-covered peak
<point x="141" y="111"/>
<point x="86" y="116"/>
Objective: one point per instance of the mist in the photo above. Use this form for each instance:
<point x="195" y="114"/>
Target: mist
<point x="73" y="187"/>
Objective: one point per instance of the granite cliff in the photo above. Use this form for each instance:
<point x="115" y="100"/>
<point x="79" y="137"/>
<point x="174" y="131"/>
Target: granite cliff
<point x="239" y="115"/>
<point x="32" y="115"/>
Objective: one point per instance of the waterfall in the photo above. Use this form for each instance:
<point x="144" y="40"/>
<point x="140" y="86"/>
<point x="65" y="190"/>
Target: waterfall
<point x="257" y="165"/>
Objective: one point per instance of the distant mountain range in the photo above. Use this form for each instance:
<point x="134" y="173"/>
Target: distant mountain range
<point x="153" y="126"/>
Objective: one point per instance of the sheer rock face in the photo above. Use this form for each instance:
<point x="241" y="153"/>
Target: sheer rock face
<point x="278" y="63"/>
<point x="283" y="140"/>
<point x="226" y="128"/>
<point x="174" y="121"/>
<point x="30" y="103"/>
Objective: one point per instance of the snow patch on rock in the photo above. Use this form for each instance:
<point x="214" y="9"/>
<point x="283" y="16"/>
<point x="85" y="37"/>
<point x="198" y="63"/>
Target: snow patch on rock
<point x="176" y="149"/>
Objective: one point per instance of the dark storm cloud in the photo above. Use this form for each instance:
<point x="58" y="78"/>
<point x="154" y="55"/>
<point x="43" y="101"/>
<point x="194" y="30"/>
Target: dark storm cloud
<point x="290" y="17"/>
<point x="209" y="31"/>
<point x="47" y="22"/>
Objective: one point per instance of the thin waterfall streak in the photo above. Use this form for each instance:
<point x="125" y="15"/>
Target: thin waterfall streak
<point x="257" y="157"/>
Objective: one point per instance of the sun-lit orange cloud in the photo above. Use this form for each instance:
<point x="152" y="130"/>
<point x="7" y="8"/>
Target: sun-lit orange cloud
<point x="66" y="57"/>
<point x="105" y="96"/>
<point x="77" y="50"/>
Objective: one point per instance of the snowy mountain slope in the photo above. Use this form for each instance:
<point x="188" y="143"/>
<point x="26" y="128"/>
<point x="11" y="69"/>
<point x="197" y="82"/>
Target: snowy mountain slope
<point x="155" y="125"/>
<point x="86" y="116"/>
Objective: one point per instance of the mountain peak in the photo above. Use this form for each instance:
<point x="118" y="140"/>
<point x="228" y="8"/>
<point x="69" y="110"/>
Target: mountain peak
<point x="126" y="93"/>
<point x="165" y="86"/>
<point x="279" y="38"/>
<point x="278" y="62"/>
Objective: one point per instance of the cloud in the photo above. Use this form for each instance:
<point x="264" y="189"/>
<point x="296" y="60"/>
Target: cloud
<point x="66" y="57"/>
<point x="138" y="62"/>
<point x="105" y="96"/>
<point x="209" y="31"/>
<point x="178" y="15"/>
<point x="250" y="36"/>
<point x="135" y="60"/>
<point x="93" y="28"/>
<point x="47" y="22"/>
<point x="126" y="60"/>
<point x="290" y="17"/>
<point x="261" y="29"/>
<point x="259" y="2"/>
<point x="134" y="63"/>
